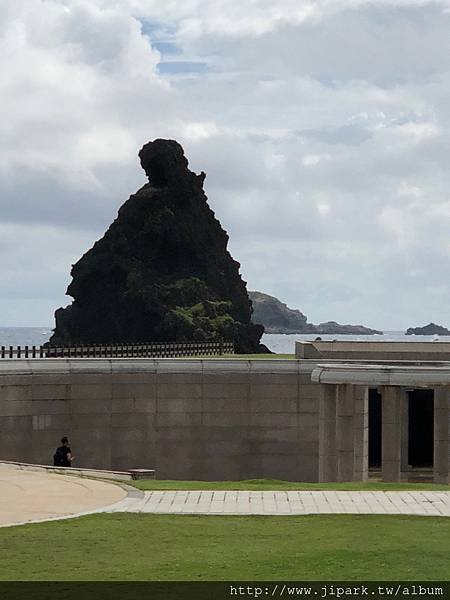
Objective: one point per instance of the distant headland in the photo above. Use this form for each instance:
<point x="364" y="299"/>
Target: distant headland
<point x="277" y="317"/>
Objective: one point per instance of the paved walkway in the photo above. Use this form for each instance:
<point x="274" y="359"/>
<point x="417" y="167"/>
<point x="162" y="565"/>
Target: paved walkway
<point x="31" y="496"/>
<point x="289" y="503"/>
<point x="28" y="496"/>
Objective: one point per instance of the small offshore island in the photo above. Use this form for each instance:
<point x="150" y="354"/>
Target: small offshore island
<point x="430" y="329"/>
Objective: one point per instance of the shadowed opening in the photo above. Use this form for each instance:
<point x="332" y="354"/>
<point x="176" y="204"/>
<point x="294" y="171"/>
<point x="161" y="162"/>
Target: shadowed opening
<point x="420" y="428"/>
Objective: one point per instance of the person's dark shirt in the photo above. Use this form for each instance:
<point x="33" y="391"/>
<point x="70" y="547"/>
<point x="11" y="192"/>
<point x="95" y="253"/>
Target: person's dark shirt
<point x="64" y="451"/>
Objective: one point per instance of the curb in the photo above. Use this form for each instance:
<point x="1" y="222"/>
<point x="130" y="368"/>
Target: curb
<point x="132" y="493"/>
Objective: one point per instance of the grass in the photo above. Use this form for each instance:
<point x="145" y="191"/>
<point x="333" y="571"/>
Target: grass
<point x="247" y="356"/>
<point x="276" y="484"/>
<point x="183" y="547"/>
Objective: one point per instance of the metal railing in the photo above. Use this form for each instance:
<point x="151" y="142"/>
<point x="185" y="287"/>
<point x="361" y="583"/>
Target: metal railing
<point x="147" y="350"/>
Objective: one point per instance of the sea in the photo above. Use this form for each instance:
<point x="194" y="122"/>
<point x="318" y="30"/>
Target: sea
<point x="278" y="343"/>
<point x="285" y="343"/>
<point x="24" y="336"/>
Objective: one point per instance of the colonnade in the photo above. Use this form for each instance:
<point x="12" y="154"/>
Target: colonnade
<point x="344" y="432"/>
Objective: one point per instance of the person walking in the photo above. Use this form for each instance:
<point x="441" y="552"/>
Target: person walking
<point x="63" y="455"/>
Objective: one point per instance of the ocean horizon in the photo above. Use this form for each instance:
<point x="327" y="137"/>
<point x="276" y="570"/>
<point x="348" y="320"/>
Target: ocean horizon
<point x="279" y="343"/>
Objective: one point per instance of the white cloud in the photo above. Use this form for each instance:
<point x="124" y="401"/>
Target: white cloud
<point x="311" y="160"/>
<point x="198" y="131"/>
<point x="323" y="128"/>
<point x="405" y="189"/>
<point x="323" y="208"/>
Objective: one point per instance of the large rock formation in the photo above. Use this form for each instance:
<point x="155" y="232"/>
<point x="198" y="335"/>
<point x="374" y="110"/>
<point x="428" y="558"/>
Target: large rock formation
<point x="162" y="271"/>
<point x="430" y="329"/>
<point x="277" y="317"/>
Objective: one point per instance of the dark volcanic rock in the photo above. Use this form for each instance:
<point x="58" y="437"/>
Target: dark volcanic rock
<point x="277" y="317"/>
<point x="430" y="329"/>
<point x="162" y="271"/>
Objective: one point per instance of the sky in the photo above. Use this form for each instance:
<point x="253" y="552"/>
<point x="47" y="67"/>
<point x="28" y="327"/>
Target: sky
<point x="323" y="128"/>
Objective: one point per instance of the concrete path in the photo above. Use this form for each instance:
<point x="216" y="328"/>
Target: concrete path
<point x="289" y="503"/>
<point x="30" y="496"/>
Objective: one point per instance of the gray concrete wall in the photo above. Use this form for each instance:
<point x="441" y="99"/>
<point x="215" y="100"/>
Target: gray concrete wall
<point x="364" y="350"/>
<point x="188" y="419"/>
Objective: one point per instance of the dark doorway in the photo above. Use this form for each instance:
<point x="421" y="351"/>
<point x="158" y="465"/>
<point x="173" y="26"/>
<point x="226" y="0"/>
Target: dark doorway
<point x="421" y="425"/>
<point x="374" y="429"/>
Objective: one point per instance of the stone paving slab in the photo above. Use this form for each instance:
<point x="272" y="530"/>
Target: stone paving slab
<point x="290" y="503"/>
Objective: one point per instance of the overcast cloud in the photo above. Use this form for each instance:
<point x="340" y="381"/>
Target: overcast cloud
<point x="323" y="128"/>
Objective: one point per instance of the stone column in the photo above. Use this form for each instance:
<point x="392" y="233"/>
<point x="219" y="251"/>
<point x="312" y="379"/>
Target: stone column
<point x="391" y="439"/>
<point x="405" y="432"/>
<point x="361" y="434"/>
<point x="441" y="434"/>
<point x="327" y="433"/>
<point x="345" y="410"/>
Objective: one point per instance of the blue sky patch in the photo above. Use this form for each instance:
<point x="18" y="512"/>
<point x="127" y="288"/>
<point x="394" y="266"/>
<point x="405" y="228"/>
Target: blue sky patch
<point x="166" y="48"/>
<point x="176" y="67"/>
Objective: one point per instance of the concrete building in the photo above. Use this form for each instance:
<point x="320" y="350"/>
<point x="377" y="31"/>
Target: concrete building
<point x="330" y="414"/>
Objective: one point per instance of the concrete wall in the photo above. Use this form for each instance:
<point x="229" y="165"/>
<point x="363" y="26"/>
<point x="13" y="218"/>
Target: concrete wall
<point x="383" y="351"/>
<point x="188" y="419"/>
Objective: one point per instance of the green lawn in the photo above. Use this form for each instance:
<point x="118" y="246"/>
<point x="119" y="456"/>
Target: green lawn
<point x="276" y="484"/>
<point x="247" y="356"/>
<point x="184" y="547"/>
